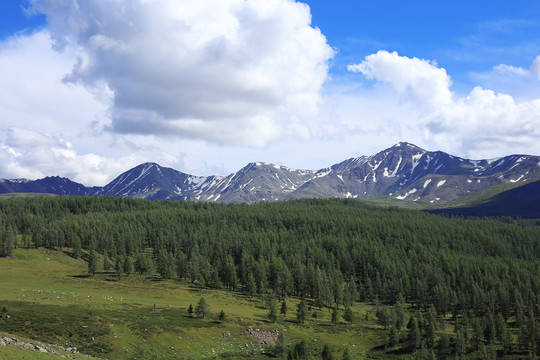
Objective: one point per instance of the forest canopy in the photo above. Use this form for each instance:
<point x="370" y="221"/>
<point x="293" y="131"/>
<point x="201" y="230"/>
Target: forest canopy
<point x="333" y="251"/>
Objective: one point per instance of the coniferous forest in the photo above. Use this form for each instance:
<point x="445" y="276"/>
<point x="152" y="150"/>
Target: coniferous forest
<point x="484" y="274"/>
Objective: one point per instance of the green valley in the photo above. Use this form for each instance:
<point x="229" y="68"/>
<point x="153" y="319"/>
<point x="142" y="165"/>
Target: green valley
<point x="115" y="278"/>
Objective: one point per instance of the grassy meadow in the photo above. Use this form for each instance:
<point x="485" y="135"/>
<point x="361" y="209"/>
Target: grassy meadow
<point x="50" y="298"/>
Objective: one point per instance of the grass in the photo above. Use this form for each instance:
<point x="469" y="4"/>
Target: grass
<point x="51" y="299"/>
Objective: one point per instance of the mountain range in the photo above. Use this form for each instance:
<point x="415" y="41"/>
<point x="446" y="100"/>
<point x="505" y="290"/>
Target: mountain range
<point x="403" y="172"/>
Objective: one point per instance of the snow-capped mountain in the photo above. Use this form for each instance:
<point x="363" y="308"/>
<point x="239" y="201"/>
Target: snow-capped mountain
<point x="404" y="171"/>
<point x="408" y="172"/>
<point x="151" y="181"/>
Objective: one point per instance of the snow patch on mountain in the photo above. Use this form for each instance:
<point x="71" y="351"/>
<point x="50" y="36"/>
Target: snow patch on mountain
<point x="403" y="197"/>
<point x="416" y="161"/>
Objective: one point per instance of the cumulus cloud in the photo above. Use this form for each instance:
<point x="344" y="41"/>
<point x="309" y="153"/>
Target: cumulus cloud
<point x="32" y="94"/>
<point x="32" y="154"/>
<point x="472" y="125"/>
<point x="226" y="71"/>
<point x="420" y="81"/>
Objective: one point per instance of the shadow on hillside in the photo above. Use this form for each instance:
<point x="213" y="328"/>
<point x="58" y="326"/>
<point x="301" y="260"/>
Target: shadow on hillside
<point x="81" y="276"/>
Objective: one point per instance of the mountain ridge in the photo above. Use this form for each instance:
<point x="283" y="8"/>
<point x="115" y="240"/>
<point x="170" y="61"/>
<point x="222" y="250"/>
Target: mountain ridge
<point x="403" y="171"/>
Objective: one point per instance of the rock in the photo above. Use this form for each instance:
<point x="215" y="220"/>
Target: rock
<point x="40" y="349"/>
<point x="2" y="343"/>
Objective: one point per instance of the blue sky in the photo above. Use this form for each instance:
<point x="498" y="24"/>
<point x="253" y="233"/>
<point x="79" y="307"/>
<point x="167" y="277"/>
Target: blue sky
<point x="463" y="36"/>
<point x="91" y="90"/>
<point x="13" y="19"/>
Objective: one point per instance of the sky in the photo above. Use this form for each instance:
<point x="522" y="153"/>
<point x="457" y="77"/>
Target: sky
<point x="89" y="89"/>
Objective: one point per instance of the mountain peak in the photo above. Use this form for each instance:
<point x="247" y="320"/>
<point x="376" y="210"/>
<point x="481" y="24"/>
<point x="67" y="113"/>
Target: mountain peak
<point x="147" y="165"/>
<point x="403" y="144"/>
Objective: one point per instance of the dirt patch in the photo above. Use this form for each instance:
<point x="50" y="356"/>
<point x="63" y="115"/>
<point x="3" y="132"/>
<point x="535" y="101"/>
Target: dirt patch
<point x="263" y="337"/>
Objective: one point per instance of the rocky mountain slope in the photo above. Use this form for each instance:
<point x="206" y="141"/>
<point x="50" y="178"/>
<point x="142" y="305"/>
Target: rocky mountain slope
<point x="404" y="171"/>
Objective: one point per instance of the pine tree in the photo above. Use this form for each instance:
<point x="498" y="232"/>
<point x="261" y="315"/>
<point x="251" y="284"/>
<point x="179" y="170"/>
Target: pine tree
<point x="326" y="353"/>
<point x="251" y="286"/>
<point x="414" y="337"/>
<point x="443" y="346"/>
<point x="346" y="354"/>
<point x="128" y="265"/>
<point x="300" y="350"/>
<point x="284" y="308"/>
<point x="190" y="310"/>
<point x="181" y="265"/>
<point x="393" y="336"/>
<point x="272" y="314"/>
<point x="301" y="311"/>
<point x="77" y="249"/>
<point x="92" y="262"/>
<point x="383" y="317"/>
<point x="349" y="315"/>
<point x="280" y="348"/>
<point x="119" y="266"/>
<point x="221" y="315"/>
<point x="7" y="241"/>
<point x="429" y="329"/>
<point x="335" y="314"/>
<point x="399" y="312"/>
<point x="106" y="262"/>
<point x="202" y="308"/>
<point x="461" y="344"/>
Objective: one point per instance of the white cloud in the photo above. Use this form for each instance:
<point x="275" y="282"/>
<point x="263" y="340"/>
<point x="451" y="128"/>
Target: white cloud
<point x="477" y="125"/>
<point x="19" y="137"/>
<point x="535" y="67"/>
<point x="421" y="81"/>
<point x="31" y="154"/>
<point x="226" y="71"/>
<point x="533" y="73"/>
<point x="522" y="83"/>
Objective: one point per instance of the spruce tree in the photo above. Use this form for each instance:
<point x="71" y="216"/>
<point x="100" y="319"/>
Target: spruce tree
<point x="77" y="249"/>
<point x="414" y="337"/>
<point x="301" y="311"/>
<point x="349" y="315"/>
<point x="326" y="353"/>
<point x="429" y="329"/>
<point x="335" y="314"/>
<point x="272" y="313"/>
<point x="393" y="336"/>
<point x="280" y="348"/>
<point x="284" y="308"/>
<point x="221" y="315"/>
<point x="92" y="262"/>
<point x="202" y="308"/>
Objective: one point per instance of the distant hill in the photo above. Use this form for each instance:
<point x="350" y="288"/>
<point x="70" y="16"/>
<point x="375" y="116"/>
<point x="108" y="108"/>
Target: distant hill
<point x="521" y="201"/>
<point x="404" y="173"/>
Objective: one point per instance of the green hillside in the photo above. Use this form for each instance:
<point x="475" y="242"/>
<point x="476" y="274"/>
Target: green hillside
<point x="115" y="277"/>
<point x="516" y="200"/>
